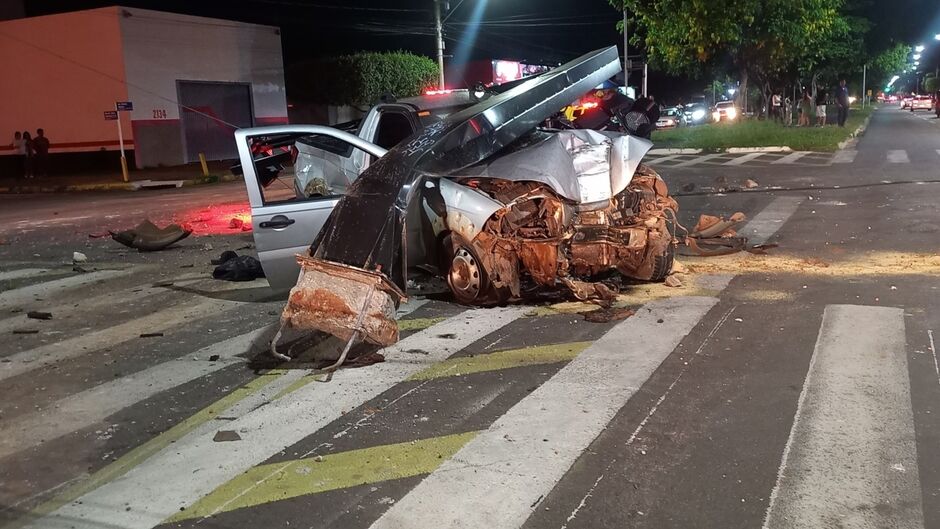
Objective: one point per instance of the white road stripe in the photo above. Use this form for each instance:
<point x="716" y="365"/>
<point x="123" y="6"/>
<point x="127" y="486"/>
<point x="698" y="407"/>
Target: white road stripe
<point x="193" y="310"/>
<point x="126" y="299"/>
<point x="851" y="458"/>
<point x="195" y="465"/>
<point x="77" y="411"/>
<point x="498" y="478"/>
<point x="655" y="161"/>
<point x="25" y="294"/>
<point x="938" y="151"/>
<point x="898" y="156"/>
<point x="792" y="157"/>
<point x="22" y="272"/>
<point x="766" y="223"/>
<point x="697" y="160"/>
<point x="844" y="156"/>
<point x="743" y="159"/>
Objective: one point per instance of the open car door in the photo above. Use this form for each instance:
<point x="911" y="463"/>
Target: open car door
<point x="290" y="203"/>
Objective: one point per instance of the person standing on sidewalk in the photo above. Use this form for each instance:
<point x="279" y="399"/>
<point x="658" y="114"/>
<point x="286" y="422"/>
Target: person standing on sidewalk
<point x="806" y="107"/>
<point x="821" y="108"/>
<point x="27" y="155"/>
<point x="776" y="107"/>
<point x="19" y="152"/>
<point x="842" y="101"/>
<point x="41" y="156"/>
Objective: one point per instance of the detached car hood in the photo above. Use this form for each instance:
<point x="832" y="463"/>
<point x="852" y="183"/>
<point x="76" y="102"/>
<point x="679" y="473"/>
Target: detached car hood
<point x="366" y="228"/>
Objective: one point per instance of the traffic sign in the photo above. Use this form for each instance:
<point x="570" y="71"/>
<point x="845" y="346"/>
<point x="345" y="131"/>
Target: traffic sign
<point x="110" y="115"/>
<point x="124" y="105"/>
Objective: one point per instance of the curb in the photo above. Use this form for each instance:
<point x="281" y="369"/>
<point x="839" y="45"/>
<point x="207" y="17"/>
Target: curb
<point x="742" y="150"/>
<point x="117" y="186"/>
<point x="853" y="138"/>
<point x="729" y="150"/>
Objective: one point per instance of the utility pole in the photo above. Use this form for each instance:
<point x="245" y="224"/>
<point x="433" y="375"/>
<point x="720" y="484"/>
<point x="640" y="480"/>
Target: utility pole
<point x="440" y="44"/>
<point x="626" y="50"/>
<point x="864" y="74"/>
<point x="645" y="72"/>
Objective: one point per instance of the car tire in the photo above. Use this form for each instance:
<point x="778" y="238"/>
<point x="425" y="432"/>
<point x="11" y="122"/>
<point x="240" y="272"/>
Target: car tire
<point x="466" y="276"/>
<point x="662" y="263"/>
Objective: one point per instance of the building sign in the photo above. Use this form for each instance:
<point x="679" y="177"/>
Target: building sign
<point x="125" y="106"/>
<point x="110" y="115"/>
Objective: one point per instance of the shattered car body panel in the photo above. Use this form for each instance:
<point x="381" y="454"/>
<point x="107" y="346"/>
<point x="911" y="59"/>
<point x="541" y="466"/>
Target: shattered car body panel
<point x="505" y="206"/>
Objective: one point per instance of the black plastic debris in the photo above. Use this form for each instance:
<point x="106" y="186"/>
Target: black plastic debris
<point x="39" y="315"/>
<point x="234" y="267"/>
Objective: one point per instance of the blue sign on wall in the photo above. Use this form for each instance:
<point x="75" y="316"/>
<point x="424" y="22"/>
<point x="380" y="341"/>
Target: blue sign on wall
<point x="124" y="105"/>
<point x="110" y="115"/>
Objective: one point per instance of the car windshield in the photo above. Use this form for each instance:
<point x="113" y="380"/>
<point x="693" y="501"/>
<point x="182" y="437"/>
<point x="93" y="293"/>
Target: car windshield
<point x="334" y="145"/>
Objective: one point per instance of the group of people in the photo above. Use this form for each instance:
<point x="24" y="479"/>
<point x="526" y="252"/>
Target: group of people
<point x="32" y="152"/>
<point x="807" y="104"/>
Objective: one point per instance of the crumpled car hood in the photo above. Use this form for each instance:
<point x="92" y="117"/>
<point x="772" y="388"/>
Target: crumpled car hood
<point x="566" y="161"/>
<point x="366" y="228"/>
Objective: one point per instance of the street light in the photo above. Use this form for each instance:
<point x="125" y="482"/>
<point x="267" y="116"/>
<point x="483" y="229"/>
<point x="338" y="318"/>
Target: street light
<point x="916" y="56"/>
<point x="937" y="36"/>
<point x="919" y="48"/>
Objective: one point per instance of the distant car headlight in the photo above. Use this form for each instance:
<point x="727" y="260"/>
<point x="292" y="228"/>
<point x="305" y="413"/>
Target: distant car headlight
<point x="732" y="113"/>
<point x="698" y="114"/>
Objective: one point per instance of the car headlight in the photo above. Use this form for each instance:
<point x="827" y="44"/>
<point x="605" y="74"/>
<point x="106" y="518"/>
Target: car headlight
<point x="698" y="114"/>
<point x="716" y="115"/>
<point x="732" y="113"/>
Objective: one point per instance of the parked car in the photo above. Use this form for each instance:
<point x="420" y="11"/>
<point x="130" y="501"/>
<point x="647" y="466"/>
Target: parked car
<point x="671" y="118"/>
<point x="906" y="102"/>
<point x="724" y="111"/>
<point x="695" y="114"/>
<point x="921" y="103"/>
<point x="495" y="205"/>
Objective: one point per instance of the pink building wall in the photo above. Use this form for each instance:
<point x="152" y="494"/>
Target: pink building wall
<point x="63" y="71"/>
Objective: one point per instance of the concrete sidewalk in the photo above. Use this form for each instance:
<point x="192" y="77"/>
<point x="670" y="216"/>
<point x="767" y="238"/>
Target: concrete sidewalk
<point x="178" y="176"/>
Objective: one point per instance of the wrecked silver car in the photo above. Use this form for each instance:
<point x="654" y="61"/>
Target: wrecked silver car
<point x="496" y="205"/>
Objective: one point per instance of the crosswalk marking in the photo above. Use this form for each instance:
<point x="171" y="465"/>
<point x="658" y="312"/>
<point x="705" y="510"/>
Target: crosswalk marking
<point x="300" y="477"/>
<point x="743" y="159"/>
<point x="248" y="397"/>
<point x="697" y="160"/>
<point x="93" y="405"/>
<point x="791" y="158"/>
<point x="852" y="442"/>
<point x="527" y="451"/>
<point x="197" y="465"/>
<point x="766" y="223"/>
<point x="21" y="273"/>
<point x="845" y="156"/>
<point x="189" y="311"/>
<point x="655" y="161"/>
<point x="526" y="356"/>
<point x="898" y="156"/>
<point x="16" y="296"/>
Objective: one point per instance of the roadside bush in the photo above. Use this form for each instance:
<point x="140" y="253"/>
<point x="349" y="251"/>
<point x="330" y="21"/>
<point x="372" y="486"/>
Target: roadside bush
<point x="360" y="79"/>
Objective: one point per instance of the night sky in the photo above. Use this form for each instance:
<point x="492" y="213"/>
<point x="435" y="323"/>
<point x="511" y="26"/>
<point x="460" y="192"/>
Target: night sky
<point x="534" y="31"/>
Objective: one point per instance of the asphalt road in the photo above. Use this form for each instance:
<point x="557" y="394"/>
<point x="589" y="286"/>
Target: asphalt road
<point x="789" y="390"/>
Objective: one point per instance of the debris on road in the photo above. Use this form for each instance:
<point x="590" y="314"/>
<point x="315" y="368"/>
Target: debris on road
<point x="673" y="281"/>
<point x="147" y="237"/>
<point x="750" y="184"/>
<point x="605" y="315"/>
<point x="39" y="315"/>
<point x="223" y="436"/>
<point x="151" y="334"/>
<point x="234" y="267"/>
<point x="213" y="358"/>
<point x="25" y="331"/>
<point x="79" y="257"/>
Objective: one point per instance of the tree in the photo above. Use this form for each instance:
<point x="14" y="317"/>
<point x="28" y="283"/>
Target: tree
<point x="760" y="38"/>
<point x="930" y="83"/>
<point x="362" y="78"/>
<point x="891" y="61"/>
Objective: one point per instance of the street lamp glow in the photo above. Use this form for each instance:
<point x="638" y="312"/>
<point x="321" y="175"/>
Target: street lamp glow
<point x="916" y="56"/>
<point x="731" y="91"/>
<point x="919" y="48"/>
<point x="937" y="36"/>
<point x="916" y="63"/>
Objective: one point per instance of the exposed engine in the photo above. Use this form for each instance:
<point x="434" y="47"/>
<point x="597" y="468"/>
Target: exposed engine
<point x="550" y="240"/>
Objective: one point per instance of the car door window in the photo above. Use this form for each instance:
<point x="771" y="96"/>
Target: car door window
<point x="298" y="168"/>
<point x="393" y="128"/>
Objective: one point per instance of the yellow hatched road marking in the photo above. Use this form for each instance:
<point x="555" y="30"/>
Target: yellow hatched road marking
<point x="138" y="455"/>
<point x="312" y="475"/>
<point x="535" y="355"/>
